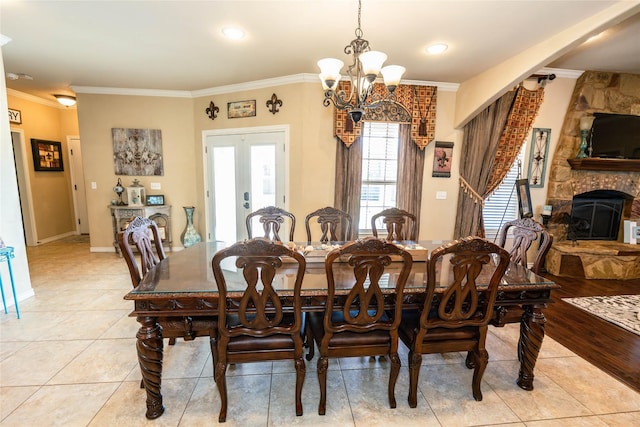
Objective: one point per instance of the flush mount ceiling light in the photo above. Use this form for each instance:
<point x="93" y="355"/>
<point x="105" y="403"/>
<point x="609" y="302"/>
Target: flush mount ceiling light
<point x="233" y="33"/>
<point x="66" y="100"/>
<point x="438" y="48"/>
<point x="362" y="74"/>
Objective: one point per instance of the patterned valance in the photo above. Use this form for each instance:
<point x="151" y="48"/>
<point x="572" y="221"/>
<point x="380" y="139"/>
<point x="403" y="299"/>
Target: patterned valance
<point x="414" y="104"/>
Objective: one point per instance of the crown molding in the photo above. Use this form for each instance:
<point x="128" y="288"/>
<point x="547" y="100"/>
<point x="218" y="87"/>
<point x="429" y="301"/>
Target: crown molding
<point x="36" y="99"/>
<point x="256" y="84"/>
<point x="561" y="72"/>
<point x="239" y="87"/>
<point x="128" y="91"/>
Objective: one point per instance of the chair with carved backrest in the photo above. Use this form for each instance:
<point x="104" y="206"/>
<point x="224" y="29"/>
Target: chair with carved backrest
<point x="395" y="220"/>
<point x="264" y="326"/>
<point x="334" y="224"/>
<point x="272" y="219"/>
<point x="362" y="327"/>
<point x="143" y="233"/>
<point x="525" y="231"/>
<point x="464" y="307"/>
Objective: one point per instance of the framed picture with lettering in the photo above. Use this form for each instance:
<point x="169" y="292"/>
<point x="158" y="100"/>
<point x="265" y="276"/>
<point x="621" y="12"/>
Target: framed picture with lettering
<point x="15" y="116"/>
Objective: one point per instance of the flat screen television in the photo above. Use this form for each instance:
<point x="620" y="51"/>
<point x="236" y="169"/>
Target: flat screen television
<point x="615" y="136"/>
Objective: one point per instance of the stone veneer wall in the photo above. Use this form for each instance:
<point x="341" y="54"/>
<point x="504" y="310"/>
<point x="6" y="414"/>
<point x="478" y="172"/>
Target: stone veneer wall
<point x="602" y="92"/>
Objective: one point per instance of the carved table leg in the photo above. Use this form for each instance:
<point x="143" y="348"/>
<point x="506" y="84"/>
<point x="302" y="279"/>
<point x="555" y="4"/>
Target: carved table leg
<point x="531" y="335"/>
<point x="150" y="348"/>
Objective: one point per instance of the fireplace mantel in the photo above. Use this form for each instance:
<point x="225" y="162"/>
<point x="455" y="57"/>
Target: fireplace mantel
<point x="616" y="165"/>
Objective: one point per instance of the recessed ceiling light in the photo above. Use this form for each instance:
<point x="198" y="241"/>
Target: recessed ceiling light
<point x="437" y="48"/>
<point x="233" y="33"/>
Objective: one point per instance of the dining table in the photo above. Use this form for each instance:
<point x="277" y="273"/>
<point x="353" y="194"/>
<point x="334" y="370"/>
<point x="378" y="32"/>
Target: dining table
<point x="181" y="290"/>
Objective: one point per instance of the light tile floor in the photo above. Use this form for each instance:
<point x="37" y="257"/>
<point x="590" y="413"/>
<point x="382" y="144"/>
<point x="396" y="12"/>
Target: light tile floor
<point x="71" y="361"/>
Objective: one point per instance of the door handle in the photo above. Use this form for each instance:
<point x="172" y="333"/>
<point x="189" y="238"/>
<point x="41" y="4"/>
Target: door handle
<point x="246" y="196"/>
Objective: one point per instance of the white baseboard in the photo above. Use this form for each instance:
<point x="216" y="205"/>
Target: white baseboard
<point x="58" y="237"/>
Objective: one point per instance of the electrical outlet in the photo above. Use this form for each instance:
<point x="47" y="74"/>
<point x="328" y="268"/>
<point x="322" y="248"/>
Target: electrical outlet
<point x="441" y="195"/>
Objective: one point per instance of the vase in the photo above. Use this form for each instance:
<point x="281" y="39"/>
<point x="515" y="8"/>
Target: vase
<point x="189" y="236"/>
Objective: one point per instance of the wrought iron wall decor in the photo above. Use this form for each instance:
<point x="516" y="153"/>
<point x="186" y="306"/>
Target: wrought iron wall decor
<point x="274" y="103"/>
<point x="212" y="110"/>
<point x="540" y="138"/>
<point x="137" y="152"/>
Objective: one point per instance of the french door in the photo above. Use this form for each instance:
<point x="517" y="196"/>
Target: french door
<point x="245" y="171"/>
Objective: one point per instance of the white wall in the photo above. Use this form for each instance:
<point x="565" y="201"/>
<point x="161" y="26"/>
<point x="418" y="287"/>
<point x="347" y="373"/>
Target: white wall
<point x="11" y="229"/>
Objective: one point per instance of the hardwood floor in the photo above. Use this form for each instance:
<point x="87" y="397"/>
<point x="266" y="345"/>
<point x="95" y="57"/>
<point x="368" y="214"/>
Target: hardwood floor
<point x="605" y="345"/>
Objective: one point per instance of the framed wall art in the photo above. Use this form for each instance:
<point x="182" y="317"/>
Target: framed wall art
<point x="442" y="158"/>
<point x="241" y="109"/>
<point x="540" y="138"/>
<point x="155" y="199"/>
<point x="47" y="155"/>
<point x="137" y="152"/>
<point x="524" y="198"/>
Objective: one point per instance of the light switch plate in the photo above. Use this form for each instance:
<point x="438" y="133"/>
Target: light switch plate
<point x="441" y="195"/>
<point x="94" y="185"/>
<point x="156" y="186"/>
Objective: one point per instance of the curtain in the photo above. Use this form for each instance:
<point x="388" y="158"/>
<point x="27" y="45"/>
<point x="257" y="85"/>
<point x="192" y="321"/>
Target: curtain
<point x="349" y="181"/>
<point x="410" y="173"/>
<point x="479" y="145"/>
<point x="523" y="111"/>
<point x="491" y="143"/>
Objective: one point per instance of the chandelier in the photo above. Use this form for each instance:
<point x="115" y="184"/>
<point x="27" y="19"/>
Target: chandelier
<point x="362" y="74"/>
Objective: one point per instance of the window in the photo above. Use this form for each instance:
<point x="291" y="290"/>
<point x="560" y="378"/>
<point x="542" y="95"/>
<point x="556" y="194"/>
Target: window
<point x="380" y="145"/>
<point x="502" y="205"/>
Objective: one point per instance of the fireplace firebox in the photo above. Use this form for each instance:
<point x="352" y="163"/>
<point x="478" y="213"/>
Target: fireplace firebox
<point x="596" y="215"/>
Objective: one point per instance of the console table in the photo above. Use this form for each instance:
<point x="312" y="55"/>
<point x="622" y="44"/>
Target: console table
<point x="122" y="215"/>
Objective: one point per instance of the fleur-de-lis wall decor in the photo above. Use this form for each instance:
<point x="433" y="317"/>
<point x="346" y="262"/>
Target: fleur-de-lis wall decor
<point x="212" y="110"/>
<point x="274" y="103"/>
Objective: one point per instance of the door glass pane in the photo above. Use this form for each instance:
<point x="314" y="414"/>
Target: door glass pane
<point x="263" y="181"/>
<point x="225" y="193"/>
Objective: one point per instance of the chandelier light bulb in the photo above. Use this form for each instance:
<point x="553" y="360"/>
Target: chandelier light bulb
<point x="372" y="63"/>
<point x="329" y="82"/>
<point x="392" y="75"/>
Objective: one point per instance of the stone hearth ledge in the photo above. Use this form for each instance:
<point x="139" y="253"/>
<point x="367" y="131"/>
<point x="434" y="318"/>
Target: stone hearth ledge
<point x="590" y="259"/>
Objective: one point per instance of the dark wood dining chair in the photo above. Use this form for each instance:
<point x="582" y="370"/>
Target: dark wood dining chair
<point x="272" y="218"/>
<point x="264" y="326"/>
<point x="361" y="327"/>
<point x="335" y="225"/>
<point x="464" y="307"/>
<point x="400" y="224"/>
<point x="526" y="231"/>
<point x="143" y="234"/>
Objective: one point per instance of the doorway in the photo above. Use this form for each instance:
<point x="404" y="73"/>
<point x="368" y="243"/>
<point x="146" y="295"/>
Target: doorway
<point x="245" y="170"/>
<point x="77" y="185"/>
<point x="21" y="158"/>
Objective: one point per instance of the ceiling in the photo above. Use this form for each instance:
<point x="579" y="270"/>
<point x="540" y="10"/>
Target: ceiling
<point x="178" y="45"/>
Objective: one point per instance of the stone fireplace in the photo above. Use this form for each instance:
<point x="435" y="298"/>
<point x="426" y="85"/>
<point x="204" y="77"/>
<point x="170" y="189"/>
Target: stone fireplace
<point x="570" y="177"/>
